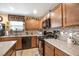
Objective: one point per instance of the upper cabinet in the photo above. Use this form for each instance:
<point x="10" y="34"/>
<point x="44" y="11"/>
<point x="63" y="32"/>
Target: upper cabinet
<point x="15" y="18"/>
<point x="70" y="14"/>
<point x="64" y="15"/>
<point x="33" y="24"/>
<point x="56" y="16"/>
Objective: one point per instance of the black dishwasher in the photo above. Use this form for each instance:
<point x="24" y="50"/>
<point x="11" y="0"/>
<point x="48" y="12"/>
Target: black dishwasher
<point x="26" y="42"/>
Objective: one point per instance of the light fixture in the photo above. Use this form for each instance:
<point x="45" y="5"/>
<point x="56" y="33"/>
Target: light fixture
<point x="35" y="11"/>
<point x="11" y="8"/>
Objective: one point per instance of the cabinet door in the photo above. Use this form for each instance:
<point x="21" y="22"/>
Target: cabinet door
<point x="34" y="41"/>
<point x="11" y="52"/>
<point x="30" y="24"/>
<point x="19" y="43"/>
<point x="39" y="24"/>
<point x="71" y="14"/>
<point x="33" y="24"/>
<point x="59" y="53"/>
<point x="49" y="50"/>
<point x="0" y="39"/>
<point x="56" y="17"/>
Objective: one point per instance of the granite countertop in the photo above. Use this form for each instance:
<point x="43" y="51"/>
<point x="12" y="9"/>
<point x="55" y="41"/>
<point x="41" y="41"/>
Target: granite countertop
<point x="5" y="46"/>
<point x="72" y="50"/>
<point x="18" y="35"/>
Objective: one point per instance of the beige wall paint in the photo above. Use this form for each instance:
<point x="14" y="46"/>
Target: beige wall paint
<point x="5" y="19"/>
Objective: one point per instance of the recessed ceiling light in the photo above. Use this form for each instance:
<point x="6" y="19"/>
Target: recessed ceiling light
<point x="35" y="11"/>
<point x="11" y="8"/>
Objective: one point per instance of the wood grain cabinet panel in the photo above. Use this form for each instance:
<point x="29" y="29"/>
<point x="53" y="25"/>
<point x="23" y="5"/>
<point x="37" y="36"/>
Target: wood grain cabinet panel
<point x="0" y="39"/>
<point x="49" y="50"/>
<point x="33" y="24"/>
<point x="11" y="52"/>
<point x="59" y="53"/>
<point x="34" y="42"/>
<point x="70" y="14"/>
<point x="56" y="16"/>
<point x="19" y="43"/>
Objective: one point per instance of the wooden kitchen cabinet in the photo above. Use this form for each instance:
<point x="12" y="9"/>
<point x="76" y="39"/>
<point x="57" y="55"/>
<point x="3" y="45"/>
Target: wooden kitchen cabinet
<point x="16" y="18"/>
<point x="49" y="49"/>
<point x="70" y="14"/>
<point x="33" y="41"/>
<point x="19" y="43"/>
<point x="11" y="52"/>
<point x="33" y="24"/>
<point x="18" y="39"/>
<point x="56" y="16"/>
<point x="0" y="39"/>
<point x="59" y="53"/>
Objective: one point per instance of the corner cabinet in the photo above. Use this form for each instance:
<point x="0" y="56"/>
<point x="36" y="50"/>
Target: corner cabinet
<point x="70" y="14"/>
<point x="56" y="16"/>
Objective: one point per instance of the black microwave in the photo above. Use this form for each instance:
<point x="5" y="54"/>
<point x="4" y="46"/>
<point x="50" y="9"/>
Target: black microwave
<point x="47" y="23"/>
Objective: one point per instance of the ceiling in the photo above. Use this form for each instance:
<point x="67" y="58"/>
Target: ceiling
<point x="28" y="9"/>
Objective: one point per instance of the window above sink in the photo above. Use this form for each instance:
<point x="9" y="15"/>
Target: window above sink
<point x="16" y="25"/>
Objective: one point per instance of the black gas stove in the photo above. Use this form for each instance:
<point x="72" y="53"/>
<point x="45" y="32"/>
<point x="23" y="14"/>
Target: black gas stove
<point x="49" y="35"/>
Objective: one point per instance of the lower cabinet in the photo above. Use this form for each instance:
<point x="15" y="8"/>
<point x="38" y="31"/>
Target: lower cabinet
<point x="11" y="52"/>
<point x="19" y="43"/>
<point x="18" y="39"/>
<point x="22" y="43"/>
<point x="59" y="52"/>
<point x="49" y="50"/>
<point x="34" y="41"/>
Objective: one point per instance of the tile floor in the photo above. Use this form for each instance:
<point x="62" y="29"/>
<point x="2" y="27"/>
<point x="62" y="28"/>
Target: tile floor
<point x="28" y="52"/>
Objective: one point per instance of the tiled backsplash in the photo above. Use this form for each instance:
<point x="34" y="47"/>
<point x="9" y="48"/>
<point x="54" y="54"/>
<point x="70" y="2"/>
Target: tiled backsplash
<point x="65" y="33"/>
